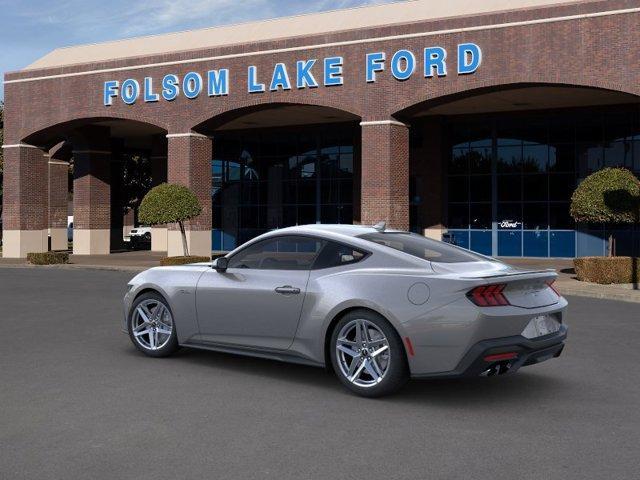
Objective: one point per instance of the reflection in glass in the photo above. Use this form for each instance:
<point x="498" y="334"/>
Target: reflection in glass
<point x="279" y="178"/>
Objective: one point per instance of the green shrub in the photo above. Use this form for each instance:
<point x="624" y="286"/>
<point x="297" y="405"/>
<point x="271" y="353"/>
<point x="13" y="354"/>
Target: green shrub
<point x="168" y="261"/>
<point x="170" y="203"/>
<point x="610" y="195"/>
<point x="48" y="258"/>
<point x="607" y="270"/>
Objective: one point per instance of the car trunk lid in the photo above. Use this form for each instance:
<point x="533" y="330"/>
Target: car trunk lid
<point x="522" y="288"/>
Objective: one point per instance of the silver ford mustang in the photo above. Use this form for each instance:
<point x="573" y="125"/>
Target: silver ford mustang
<point x="376" y="306"/>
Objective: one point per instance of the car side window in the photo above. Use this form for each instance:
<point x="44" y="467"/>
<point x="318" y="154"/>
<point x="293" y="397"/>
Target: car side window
<point x="337" y="254"/>
<point x="279" y="253"/>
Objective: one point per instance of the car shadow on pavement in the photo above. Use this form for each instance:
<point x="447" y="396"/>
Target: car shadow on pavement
<point x="502" y="390"/>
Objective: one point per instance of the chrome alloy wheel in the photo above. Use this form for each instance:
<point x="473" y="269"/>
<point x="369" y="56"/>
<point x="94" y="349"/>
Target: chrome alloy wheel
<point x="363" y="353"/>
<point x="151" y="324"/>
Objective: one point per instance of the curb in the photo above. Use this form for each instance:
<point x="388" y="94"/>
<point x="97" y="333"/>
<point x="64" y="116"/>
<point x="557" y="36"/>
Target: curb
<point x="73" y="266"/>
<point x="632" y="296"/>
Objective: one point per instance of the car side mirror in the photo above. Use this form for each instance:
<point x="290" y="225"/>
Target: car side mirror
<point x="221" y="264"/>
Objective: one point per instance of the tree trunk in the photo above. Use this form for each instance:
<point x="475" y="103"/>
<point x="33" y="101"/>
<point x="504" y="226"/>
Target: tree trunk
<point x="185" y="247"/>
<point x="611" y="247"/>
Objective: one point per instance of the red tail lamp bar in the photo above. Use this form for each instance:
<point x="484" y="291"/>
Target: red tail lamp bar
<point x="488" y="295"/>
<point x="501" y="356"/>
<point x="550" y="284"/>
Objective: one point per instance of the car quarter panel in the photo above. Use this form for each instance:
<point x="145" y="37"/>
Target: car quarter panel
<point x="177" y="285"/>
<point x="441" y="329"/>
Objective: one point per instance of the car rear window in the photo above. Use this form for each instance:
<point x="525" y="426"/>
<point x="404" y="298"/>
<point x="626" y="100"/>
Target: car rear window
<point x="422" y="247"/>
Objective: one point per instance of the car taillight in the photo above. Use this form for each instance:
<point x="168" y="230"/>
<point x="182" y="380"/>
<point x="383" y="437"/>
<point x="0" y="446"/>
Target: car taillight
<point x="488" y="295"/>
<point x="550" y="285"/>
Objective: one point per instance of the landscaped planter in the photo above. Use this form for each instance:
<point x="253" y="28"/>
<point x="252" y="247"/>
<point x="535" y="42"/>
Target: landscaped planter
<point x="607" y="270"/>
<point x="166" y="261"/>
<point x="48" y="258"/>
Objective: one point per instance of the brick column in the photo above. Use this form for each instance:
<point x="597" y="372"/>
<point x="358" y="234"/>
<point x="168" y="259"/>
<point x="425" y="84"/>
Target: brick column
<point x="427" y="166"/>
<point x="92" y="192"/>
<point x="385" y="173"/>
<point x="25" y="201"/>
<point x="158" y="160"/>
<point x="58" y="197"/>
<point x="189" y="164"/>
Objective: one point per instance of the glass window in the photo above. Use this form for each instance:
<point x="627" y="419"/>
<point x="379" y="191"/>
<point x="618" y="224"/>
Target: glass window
<point x="510" y="159"/>
<point x="458" y="216"/>
<point x="480" y="216"/>
<point x="336" y="254"/>
<point x="480" y="188"/>
<point x="510" y="216"/>
<point x="534" y="158"/>
<point x="561" y="187"/>
<point x="458" y="189"/>
<point x="480" y="160"/>
<point x="421" y="247"/>
<point x="535" y="187"/>
<point x="509" y="188"/>
<point x="279" y="253"/>
<point x="535" y="216"/>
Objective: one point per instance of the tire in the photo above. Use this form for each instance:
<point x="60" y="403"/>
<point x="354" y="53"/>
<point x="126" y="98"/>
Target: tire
<point x="155" y="337"/>
<point x="354" y="357"/>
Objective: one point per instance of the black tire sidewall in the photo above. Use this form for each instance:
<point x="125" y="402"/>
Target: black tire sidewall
<point x="398" y="372"/>
<point x="172" y="345"/>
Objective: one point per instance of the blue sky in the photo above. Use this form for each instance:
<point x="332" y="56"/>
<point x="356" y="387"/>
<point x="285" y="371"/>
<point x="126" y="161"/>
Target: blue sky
<point x="30" y="29"/>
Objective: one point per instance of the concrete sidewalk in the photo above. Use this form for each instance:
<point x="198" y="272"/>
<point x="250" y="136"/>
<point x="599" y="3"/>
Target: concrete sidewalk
<point x="567" y="284"/>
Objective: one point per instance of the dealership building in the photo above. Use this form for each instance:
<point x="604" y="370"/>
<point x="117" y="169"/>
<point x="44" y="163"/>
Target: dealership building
<point x="468" y="121"/>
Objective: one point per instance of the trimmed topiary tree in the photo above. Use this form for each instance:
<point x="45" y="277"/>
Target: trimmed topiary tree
<point x="611" y="195"/>
<point x="170" y="203"/>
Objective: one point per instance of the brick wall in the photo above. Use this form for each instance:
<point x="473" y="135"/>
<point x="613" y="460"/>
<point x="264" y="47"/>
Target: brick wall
<point x="597" y="51"/>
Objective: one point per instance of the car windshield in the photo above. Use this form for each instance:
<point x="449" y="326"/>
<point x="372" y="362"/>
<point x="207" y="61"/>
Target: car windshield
<point x="422" y="247"/>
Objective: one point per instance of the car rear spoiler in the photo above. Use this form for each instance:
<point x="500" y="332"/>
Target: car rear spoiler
<point x="521" y="274"/>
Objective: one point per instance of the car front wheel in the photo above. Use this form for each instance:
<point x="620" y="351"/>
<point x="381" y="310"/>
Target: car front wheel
<point x="367" y="354"/>
<point x="151" y="326"/>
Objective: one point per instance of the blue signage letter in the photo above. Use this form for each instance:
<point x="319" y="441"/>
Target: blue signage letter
<point x="375" y="63"/>
<point x="397" y="69"/>
<point x="435" y="57"/>
<point x="253" y="85"/>
<point x="304" y="77"/>
<point x="333" y="71"/>
<point x="218" y="82"/>
<point x="280" y="78"/>
<point x="170" y="88"/>
<point x="192" y="85"/>
<point x="110" y="92"/>
<point x="149" y="96"/>
<point x="469" y="58"/>
<point x="130" y="91"/>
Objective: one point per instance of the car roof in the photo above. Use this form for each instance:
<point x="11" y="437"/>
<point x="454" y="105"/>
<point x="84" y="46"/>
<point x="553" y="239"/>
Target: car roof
<point x="339" y="229"/>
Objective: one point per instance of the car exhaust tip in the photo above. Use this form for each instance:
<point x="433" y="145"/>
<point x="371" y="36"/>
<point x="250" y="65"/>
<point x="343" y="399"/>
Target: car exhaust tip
<point x="498" y="368"/>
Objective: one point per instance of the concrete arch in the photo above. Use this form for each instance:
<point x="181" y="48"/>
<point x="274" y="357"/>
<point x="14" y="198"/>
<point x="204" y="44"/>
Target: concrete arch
<point x="211" y="121"/>
<point x="455" y="92"/>
<point x="47" y="136"/>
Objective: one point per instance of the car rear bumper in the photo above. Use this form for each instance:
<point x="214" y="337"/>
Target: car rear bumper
<point x="493" y="357"/>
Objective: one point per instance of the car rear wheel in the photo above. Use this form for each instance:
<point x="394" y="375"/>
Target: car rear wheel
<point x="367" y="354"/>
<point x="151" y="326"/>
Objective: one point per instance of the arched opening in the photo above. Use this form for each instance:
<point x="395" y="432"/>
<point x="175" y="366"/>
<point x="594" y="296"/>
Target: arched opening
<point x="280" y="165"/>
<point x="493" y="170"/>
<point x="99" y="171"/>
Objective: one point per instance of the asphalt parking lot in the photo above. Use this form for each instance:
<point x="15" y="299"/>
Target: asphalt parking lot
<point x="78" y="401"/>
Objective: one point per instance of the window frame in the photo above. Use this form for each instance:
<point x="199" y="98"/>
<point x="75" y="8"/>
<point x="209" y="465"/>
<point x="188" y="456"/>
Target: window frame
<point x="277" y="238"/>
<point x="367" y="253"/>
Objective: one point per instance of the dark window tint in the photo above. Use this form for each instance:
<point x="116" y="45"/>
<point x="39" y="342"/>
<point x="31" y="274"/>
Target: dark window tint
<point x="422" y="247"/>
<point x="336" y="254"/>
<point x="280" y="253"/>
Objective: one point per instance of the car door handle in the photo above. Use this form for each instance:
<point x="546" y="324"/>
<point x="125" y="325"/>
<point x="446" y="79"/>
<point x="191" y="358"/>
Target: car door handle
<point x="288" y="290"/>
